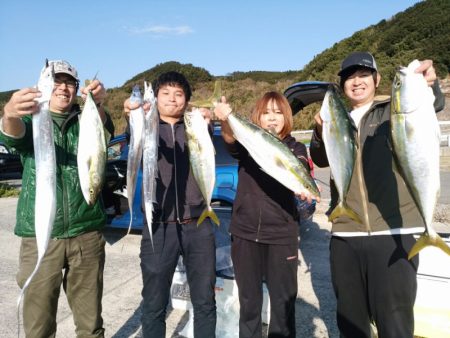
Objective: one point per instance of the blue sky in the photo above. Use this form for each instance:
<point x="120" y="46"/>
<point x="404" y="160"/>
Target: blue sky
<point x="122" y="40"/>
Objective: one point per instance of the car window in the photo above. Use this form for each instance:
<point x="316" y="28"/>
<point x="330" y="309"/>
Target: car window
<point x="223" y="157"/>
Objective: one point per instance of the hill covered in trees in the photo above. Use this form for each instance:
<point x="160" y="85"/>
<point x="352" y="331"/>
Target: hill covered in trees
<point x="420" y="32"/>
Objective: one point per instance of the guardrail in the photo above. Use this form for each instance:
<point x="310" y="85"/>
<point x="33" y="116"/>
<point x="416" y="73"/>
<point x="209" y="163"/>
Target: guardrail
<point x="444" y="125"/>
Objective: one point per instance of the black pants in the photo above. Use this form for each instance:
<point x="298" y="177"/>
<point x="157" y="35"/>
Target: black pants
<point x="374" y="280"/>
<point x="197" y="245"/>
<point x="276" y="265"/>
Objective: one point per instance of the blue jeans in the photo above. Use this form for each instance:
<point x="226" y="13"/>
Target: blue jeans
<point x="197" y="246"/>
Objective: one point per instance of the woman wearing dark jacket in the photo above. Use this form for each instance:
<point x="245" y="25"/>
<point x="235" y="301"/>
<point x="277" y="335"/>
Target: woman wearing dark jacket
<point x="264" y="226"/>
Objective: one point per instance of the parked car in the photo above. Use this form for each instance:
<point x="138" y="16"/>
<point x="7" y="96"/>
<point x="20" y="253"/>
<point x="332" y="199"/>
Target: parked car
<point x="10" y="164"/>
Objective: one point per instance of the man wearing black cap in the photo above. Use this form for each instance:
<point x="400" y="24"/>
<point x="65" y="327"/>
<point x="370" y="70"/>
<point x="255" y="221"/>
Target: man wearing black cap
<point x="75" y="256"/>
<point x="372" y="277"/>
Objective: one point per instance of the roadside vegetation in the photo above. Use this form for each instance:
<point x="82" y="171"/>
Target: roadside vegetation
<point x="8" y="191"/>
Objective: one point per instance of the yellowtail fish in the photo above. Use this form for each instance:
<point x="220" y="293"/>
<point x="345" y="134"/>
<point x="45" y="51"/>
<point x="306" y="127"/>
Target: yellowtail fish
<point x="136" y="121"/>
<point x="416" y="139"/>
<point x="339" y="141"/>
<point x="150" y="155"/>
<point x="45" y="162"/>
<point x="212" y="100"/>
<point x="273" y="156"/>
<point x="201" y="158"/>
<point x="91" y="154"/>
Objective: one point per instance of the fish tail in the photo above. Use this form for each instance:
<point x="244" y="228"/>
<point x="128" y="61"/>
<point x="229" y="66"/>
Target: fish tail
<point x="427" y="240"/>
<point x="209" y="212"/>
<point x="343" y="210"/>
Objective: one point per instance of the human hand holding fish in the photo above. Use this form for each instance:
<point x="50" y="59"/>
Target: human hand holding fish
<point x="427" y="70"/>
<point x="128" y="106"/>
<point x="222" y="109"/>
<point x="98" y="91"/>
<point x="319" y="122"/>
<point x="305" y="195"/>
<point x="23" y="102"/>
<point x="206" y="113"/>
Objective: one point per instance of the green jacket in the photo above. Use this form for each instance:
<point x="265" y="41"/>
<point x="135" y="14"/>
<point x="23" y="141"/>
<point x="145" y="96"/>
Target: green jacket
<point x="73" y="215"/>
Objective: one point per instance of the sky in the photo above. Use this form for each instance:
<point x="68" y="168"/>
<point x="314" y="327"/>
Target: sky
<point x="121" y="40"/>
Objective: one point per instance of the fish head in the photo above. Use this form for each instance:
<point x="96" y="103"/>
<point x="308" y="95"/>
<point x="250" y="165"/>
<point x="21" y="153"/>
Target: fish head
<point x="333" y="104"/>
<point x="408" y="88"/>
<point x="149" y="94"/>
<point x="46" y="82"/>
<point x="136" y="96"/>
<point x="95" y="184"/>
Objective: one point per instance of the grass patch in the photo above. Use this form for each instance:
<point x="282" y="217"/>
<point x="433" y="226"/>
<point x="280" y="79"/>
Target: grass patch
<point x="8" y="191"/>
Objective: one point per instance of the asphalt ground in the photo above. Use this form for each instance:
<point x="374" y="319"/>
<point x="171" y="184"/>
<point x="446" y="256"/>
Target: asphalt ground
<point x="315" y="306"/>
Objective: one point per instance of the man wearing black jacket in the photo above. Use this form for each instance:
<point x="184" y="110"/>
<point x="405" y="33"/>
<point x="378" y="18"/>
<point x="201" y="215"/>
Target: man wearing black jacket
<point x="178" y="206"/>
<point x="371" y="274"/>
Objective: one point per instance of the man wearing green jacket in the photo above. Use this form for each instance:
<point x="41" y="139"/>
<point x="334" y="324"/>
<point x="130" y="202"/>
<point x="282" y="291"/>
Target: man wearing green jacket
<point x="75" y="256"/>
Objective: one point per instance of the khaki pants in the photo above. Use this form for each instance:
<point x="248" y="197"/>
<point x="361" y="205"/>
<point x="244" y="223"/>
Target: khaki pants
<point x="77" y="263"/>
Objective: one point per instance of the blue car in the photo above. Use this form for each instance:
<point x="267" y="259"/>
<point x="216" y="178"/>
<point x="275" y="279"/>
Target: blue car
<point x="114" y="191"/>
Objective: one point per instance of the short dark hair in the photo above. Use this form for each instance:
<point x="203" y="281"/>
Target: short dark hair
<point x="173" y="79"/>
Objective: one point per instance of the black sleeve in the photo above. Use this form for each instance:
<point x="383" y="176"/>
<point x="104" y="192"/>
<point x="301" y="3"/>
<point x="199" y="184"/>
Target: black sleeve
<point x="301" y="153"/>
<point x="439" y="101"/>
<point x="317" y="150"/>
<point x="109" y="125"/>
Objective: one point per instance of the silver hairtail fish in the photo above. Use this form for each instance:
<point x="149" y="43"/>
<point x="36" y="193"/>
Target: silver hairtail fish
<point x="339" y="141"/>
<point x="416" y="140"/>
<point x="273" y="156"/>
<point x="150" y="155"/>
<point x="136" y="121"/>
<point x="202" y="159"/>
<point x="45" y="162"/>
<point x="91" y="154"/>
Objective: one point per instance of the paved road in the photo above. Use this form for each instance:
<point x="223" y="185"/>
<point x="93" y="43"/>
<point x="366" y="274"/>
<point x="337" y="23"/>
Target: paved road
<point x="122" y="300"/>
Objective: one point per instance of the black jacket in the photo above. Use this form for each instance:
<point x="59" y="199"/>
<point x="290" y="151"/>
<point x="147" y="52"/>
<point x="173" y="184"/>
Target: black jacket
<point x="177" y="194"/>
<point x="264" y="210"/>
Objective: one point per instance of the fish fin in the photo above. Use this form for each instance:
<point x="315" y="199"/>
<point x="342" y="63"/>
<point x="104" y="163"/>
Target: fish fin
<point x="343" y="210"/>
<point x="208" y="213"/>
<point x="212" y="100"/>
<point x="427" y="240"/>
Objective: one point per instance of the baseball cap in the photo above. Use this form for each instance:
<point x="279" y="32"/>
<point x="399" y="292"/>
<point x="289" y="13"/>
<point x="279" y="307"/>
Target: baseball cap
<point x="61" y="66"/>
<point x="355" y="59"/>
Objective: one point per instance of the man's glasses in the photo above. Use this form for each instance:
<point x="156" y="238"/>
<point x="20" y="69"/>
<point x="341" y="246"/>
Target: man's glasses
<point x="69" y="83"/>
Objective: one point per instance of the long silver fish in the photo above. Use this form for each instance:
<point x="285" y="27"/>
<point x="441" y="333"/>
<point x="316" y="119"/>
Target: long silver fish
<point x="45" y="162"/>
<point x="339" y="141"/>
<point x="416" y="139"/>
<point x="150" y="155"/>
<point x="135" y="148"/>
<point x="91" y="154"/>
<point x="201" y="158"/>
<point x="273" y="156"/>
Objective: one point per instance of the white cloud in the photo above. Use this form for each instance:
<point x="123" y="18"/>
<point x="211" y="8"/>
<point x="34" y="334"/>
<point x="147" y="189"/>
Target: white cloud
<point x="161" y="30"/>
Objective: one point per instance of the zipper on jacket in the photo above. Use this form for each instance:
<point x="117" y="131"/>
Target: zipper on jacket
<point x="64" y="190"/>
<point x="361" y="182"/>
<point x="175" y="173"/>
<point x="259" y="226"/>
<point x="65" y="202"/>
